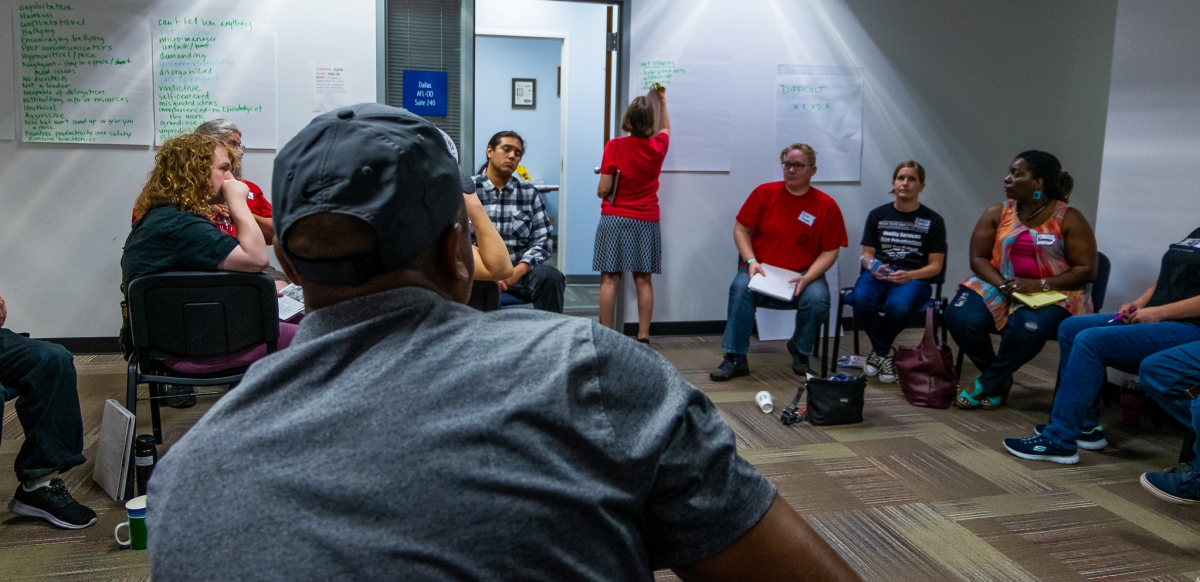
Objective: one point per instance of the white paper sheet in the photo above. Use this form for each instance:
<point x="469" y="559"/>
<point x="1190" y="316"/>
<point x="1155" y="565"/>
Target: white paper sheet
<point x="84" y="72"/>
<point x="822" y="107"/>
<point x="700" y="104"/>
<point x="778" y="324"/>
<point x="774" y="283"/>
<point x="8" y="121"/>
<point x="210" y="65"/>
<point x="291" y="303"/>
<point x="331" y="86"/>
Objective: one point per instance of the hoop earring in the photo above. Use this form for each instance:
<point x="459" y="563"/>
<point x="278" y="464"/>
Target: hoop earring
<point x="1037" y="194"/>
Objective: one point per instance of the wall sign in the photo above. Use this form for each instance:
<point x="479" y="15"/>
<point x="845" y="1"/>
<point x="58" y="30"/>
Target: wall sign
<point x="425" y="93"/>
<point x="524" y="93"/>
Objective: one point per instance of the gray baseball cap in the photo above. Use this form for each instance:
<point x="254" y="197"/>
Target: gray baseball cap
<point x="382" y="164"/>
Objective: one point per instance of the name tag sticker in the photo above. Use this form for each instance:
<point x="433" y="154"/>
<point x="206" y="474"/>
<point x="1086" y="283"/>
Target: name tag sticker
<point x="1045" y="239"/>
<point x="923" y="224"/>
<point x="807" y="218"/>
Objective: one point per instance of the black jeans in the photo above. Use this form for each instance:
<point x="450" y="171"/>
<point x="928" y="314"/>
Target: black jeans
<point x="544" y="286"/>
<point x="48" y="406"/>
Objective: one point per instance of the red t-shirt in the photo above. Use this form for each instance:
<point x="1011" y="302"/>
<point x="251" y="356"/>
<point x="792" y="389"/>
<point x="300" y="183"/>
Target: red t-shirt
<point x="791" y="231"/>
<point x="640" y="160"/>
<point x="255" y="200"/>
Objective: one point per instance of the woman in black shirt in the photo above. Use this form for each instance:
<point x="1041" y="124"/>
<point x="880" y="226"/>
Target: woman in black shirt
<point x="1165" y="316"/>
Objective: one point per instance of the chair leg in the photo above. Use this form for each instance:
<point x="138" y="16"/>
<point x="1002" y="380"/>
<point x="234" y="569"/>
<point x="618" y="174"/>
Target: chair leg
<point x="854" y="328"/>
<point x="837" y="334"/>
<point x="958" y="365"/>
<point x="131" y="384"/>
<point x="155" y="418"/>
<point x="825" y="348"/>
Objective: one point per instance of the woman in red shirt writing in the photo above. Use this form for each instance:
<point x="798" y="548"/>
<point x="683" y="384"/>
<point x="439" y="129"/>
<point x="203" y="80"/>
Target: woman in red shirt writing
<point x="628" y="238"/>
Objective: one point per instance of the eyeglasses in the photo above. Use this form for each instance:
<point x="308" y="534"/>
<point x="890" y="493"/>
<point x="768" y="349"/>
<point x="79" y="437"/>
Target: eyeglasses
<point x="790" y="166"/>
<point x="238" y="145"/>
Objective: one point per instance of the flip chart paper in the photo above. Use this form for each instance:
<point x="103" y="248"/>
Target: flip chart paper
<point x="700" y="104"/>
<point x="84" y="72"/>
<point x="8" y="104"/>
<point x="822" y="107"/>
<point x="212" y="66"/>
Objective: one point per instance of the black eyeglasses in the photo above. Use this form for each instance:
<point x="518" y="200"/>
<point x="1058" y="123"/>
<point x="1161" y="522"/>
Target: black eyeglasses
<point x="790" y="166"/>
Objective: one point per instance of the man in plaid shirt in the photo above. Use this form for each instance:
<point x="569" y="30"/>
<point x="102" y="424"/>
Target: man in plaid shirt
<point x="517" y="210"/>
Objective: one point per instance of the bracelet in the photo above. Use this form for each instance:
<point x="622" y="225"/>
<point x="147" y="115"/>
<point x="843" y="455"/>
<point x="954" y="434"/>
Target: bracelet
<point x="751" y="260"/>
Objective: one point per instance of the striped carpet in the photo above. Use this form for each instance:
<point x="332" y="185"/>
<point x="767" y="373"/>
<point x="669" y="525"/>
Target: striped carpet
<point x="909" y="494"/>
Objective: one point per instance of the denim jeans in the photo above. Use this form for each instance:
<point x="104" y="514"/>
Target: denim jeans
<point x="43" y="375"/>
<point x="1165" y="376"/>
<point x="812" y="309"/>
<point x="544" y="286"/>
<point x="898" y="303"/>
<point x="971" y="325"/>
<point x="1087" y="345"/>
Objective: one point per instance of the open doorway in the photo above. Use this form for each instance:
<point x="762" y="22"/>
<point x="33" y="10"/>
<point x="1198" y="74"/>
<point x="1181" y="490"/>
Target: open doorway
<point x="560" y="50"/>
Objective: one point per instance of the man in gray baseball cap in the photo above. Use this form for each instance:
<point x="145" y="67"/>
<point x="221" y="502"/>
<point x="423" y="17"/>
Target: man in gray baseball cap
<point x="405" y="436"/>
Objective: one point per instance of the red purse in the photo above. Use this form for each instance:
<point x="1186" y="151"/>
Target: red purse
<point x="927" y="371"/>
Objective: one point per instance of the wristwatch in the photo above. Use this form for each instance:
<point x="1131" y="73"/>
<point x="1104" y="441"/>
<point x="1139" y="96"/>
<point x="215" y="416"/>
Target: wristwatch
<point x="1045" y="285"/>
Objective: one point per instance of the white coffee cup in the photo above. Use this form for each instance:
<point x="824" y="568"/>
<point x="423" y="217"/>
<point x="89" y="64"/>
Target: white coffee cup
<point x="764" y="401"/>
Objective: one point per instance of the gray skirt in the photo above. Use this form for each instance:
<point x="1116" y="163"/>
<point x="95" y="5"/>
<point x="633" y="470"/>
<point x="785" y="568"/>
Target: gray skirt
<point x="627" y="244"/>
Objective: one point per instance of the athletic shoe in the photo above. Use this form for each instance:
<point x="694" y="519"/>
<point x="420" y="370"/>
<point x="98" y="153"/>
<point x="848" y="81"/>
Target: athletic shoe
<point x="179" y="396"/>
<point x="1091" y="439"/>
<point x="732" y="366"/>
<point x="874" y="364"/>
<point x="53" y="504"/>
<point x="887" y="371"/>
<point x="1039" y="448"/>
<point x="1173" y="486"/>
<point x="799" y="360"/>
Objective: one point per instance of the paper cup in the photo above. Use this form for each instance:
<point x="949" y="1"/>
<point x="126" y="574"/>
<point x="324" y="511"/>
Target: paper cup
<point x="764" y="401"/>
<point x="136" y="508"/>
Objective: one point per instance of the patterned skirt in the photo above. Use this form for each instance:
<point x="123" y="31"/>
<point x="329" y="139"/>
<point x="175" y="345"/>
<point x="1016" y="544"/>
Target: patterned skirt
<point x="627" y="244"/>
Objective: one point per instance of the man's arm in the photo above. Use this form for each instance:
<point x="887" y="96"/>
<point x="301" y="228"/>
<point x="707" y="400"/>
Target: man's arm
<point x="250" y="256"/>
<point x="541" y="246"/>
<point x="267" y="227"/>
<point x="781" y="547"/>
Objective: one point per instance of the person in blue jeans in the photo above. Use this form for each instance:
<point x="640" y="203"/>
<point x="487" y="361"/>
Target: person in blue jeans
<point x="1172" y="378"/>
<point x="904" y="248"/>
<point x="1167" y="315"/>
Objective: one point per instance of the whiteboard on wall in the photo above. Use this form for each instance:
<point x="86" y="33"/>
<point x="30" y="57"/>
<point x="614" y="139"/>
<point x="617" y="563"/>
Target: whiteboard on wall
<point x="210" y="65"/>
<point x="8" y="104"/>
<point x="700" y="104"/>
<point x="822" y="107"/>
<point x="83" y="74"/>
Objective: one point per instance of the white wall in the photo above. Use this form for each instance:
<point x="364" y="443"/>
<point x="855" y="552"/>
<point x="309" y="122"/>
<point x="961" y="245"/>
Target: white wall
<point x="1151" y="180"/>
<point x="583" y="96"/>
<point x="64" y="209"/>
<point x="499" y="60"/>
<point x="959" y="86"/>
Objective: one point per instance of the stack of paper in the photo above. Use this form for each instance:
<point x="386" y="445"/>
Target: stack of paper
<point x="291" y="303"/>
<point x="774" y="283"/>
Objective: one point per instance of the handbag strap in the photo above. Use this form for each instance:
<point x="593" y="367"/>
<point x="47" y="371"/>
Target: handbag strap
<point x="791" y="414"/>
<point x="929" y="335"/>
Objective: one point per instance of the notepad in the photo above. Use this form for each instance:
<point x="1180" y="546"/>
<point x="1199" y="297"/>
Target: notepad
<point x="291" y="303"/>
<point x="774" y="283"/>
<point x="1036" y="300"/>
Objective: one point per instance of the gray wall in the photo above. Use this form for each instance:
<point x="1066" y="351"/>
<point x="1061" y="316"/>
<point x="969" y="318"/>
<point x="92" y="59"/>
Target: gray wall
<point x="959" y="86"/>
<point x="64" y="209"/>
<point x="1150" y="186"/>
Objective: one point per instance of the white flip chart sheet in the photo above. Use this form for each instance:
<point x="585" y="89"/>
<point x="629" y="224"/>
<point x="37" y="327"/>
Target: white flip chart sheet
<point x="700" y="104"/>
<point x="84" y="72"/>
<point x="214" y="66"/>
<point x="8" y="104"/>
<point x="822" y="107"/>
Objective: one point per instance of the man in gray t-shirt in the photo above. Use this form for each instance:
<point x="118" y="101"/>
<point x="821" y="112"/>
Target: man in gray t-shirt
<point x="405" y="436"/>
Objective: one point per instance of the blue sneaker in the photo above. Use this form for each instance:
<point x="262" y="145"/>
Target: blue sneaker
<point x="1173" y="486"/>
<point x="1091" y="439"/>
<point x="1039" y="448"/>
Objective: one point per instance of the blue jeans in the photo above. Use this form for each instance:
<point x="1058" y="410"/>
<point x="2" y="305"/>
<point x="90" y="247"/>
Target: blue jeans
<point x="1087" y="345"/>
<point x="1165" y="376"/>
<point x="812" y="309"/>
<point x="897" y="302"/>
<point x="971" y="325"/>
<point x="43" y="375"/>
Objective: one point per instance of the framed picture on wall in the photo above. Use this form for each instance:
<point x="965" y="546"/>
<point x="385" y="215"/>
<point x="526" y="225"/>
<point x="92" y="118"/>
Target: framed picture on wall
<point x="524" y="93"/>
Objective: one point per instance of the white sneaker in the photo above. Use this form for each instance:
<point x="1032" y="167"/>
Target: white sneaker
<point x="874" y="364"/>
<point x="887" y="371"/>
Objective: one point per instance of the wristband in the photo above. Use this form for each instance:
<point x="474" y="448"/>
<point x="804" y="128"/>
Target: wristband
<point x="751" y="260"/>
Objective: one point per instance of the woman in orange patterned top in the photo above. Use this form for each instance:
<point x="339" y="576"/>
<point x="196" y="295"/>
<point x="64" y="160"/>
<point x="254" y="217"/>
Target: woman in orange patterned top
<point x="1032" y="243"/>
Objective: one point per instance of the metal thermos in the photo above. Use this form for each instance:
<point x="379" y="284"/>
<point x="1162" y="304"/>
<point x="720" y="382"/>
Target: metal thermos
<point x="145" y="454"/>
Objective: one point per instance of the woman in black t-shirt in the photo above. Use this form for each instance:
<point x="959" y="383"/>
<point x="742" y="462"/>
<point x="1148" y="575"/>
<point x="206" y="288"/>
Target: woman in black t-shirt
<point x="904" y="248"/>
<point x="1165" y="316"/>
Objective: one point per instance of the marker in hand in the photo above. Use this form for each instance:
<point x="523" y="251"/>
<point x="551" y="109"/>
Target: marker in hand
<point x="1122" y="314"/>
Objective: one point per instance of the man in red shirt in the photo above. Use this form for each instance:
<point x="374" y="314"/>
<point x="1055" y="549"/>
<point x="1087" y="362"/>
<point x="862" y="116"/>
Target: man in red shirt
<point x="793" y="226"/>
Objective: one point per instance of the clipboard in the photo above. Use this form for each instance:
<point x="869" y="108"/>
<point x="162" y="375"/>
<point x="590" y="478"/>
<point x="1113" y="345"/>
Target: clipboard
<point x="612" y="193"/>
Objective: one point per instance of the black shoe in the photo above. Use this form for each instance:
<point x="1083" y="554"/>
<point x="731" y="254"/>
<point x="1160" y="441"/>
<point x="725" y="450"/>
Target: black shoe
<point x="53" y="504"/>
<point x="799" y="360"/>
<point x="733" y="366"/>
<point x="180" y="396"/>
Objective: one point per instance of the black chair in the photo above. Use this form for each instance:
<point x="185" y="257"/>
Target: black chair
<point x="846" y="297"/>
<point x="1099" y="290"/>
<point x="195" y="315"/>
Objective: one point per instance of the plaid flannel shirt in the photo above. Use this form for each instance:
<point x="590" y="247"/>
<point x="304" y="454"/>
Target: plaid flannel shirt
<point x="519" y="214"/>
